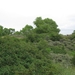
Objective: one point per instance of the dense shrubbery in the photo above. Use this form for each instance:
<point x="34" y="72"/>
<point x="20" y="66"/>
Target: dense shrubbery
<point x="73" y="60"/>
<point x="35" y="51"/>
<point x="24" y="58"/>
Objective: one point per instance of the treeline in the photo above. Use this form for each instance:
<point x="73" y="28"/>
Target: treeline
<point x="6" y="31"/>
<point x="35" y="51"/>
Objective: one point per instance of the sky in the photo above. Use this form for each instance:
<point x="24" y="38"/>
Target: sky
<point x="18" y="13"/>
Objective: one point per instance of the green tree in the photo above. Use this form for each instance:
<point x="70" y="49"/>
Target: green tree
<point x="17" y="33"/>
<point x="1" y="30"/>
<point x="12" y="31"/>
<point x="46" y="27"/>
<point x="6" y="31"/>
<point x="26" y="30"/>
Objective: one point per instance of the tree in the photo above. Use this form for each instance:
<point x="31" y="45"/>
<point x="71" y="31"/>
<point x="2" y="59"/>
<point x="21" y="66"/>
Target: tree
<point x="1" y="30"/>
<point x="38" y="21"/>
<point x="6" y="31"/>
<point x="46" y="27"/>
<point x="26" y="30"/>
<point x="12" y="31"/>
<point x="17" y="32"/>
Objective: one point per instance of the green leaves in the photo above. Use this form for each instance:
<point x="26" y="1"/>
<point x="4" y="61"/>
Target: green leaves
<point x="18" y="57"/>
<point x="28" y="52"/>
<point x="46" y="27"/>
<point x="73" y="60"/>
<point x="26" y="30"/>
<point x="6" y="31"/>
<point x="1" y="30"/>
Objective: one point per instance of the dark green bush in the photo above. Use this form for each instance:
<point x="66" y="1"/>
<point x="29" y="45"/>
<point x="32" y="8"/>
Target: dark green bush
<point x="73" y="60"/>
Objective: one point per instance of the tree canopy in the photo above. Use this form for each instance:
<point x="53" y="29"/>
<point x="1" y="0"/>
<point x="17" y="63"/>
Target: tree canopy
<point x="47" y="28"/>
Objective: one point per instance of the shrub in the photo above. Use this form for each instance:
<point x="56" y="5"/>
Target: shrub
<point x="73" y="60"/>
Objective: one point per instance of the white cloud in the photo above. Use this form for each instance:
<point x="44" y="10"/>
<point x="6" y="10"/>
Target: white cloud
<point x="17" y="13"/>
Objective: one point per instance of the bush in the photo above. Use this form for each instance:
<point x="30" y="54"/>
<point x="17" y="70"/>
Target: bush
<point x="73" y="60"/>
<point x="58" y="49"/>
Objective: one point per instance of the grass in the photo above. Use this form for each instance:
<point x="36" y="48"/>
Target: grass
<point x="70" y="70"/>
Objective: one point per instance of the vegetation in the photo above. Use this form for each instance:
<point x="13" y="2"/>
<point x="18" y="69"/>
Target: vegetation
<point x="37" y="51"/>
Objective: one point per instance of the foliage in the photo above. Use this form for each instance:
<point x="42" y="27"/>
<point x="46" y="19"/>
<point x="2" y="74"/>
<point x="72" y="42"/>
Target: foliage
<point x="36" y="51"/>
<point x="6" y="31"/>
<point x="26" y="30"/>
<point x="47" y="27"/>
<point x="20" y="57"/>
<point x="1" y="30"/>
<point x="73" y="60"/>
<point x="58" y="49"/>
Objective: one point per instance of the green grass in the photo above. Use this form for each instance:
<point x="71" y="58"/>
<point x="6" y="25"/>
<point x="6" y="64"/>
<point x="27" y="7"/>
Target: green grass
<point x="64" y="70"/>
<point x="68" y="71"/>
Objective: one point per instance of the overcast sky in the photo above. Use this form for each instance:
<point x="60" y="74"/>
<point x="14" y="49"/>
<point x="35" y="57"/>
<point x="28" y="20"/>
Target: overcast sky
<point x="17" y="13"/>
